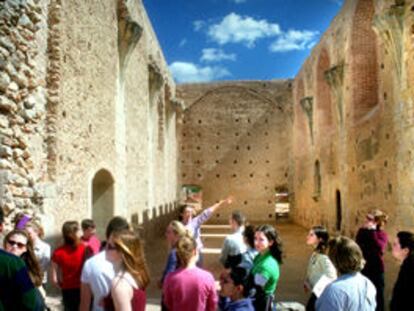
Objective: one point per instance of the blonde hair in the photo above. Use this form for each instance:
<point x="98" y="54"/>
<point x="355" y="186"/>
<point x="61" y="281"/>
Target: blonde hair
<point x="130" y="247"/>
<point x="185" y="249"/>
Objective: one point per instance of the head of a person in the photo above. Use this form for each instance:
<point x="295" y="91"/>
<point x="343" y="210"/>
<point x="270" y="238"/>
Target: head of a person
<point x="125" y="248"/>
<point x="35" y="230"/>
<point x="266" y="238"/>
<point x="248" y="235"/>
<point x="236" y="220"/>
<point x="403" y="245"/>
<point x="186" y="213"/>
<point x="318" y="238"/>
<point x="17" y="242"/>
<point x="186" y="250"/>
<point x="345" y="255"/>
<point x="175" y="230"/>
<point x="70" y="233"/>
<point x="116" y="224"/>
<point x="380" y="218"/>
<point x="234" y="283"/>
<point x="88" y="228"/>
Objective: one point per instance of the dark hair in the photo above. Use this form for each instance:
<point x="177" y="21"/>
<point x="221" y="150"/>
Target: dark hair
<point x="406" y="240"/>
<point x="87" y="223"/>
<point x="69" y="232"/>
<point x="1" y="216"/>
<point x="248" y="234"/>
<point x="239" y="275"/>
<point x="29" y="257"/>
<point x="323" y="236"/>
<point x="272" y="235"/>
<point x="116" y="224"/>
<point x="345" y="255"/>
<point x="238" y="217"/>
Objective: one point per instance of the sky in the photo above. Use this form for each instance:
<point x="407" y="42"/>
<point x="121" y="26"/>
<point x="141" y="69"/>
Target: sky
<point x="212" y="40"/>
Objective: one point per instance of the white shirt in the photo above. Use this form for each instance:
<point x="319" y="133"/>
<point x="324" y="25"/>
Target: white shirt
<point x="233" y="245"/>
<point x="98" y="272"/>
<point x="42" y="252"/>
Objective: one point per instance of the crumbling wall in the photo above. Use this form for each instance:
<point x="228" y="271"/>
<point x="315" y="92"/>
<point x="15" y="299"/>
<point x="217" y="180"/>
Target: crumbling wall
<point x="361" y="154"/>
<point x="236" y="139"/>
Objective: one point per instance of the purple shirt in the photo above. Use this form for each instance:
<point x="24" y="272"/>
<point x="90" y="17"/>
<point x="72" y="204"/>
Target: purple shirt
<point x="195" y="223"/>
<point x="190" y="289"/>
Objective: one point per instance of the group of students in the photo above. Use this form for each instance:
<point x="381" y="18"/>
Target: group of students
<point x="342" y="274"/>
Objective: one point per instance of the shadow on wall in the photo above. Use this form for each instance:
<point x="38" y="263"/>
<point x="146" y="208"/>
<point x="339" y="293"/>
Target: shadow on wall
<point x="154" y="221"/>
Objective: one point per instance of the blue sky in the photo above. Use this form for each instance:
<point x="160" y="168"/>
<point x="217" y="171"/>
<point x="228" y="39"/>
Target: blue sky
<point x="209" y="40"/>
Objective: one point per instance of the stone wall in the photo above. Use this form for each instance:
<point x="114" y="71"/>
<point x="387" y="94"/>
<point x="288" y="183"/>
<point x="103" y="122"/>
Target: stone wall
<point x="352" y="103"/>
<point x="94" y="134"/>
<point x="235" y="139"/>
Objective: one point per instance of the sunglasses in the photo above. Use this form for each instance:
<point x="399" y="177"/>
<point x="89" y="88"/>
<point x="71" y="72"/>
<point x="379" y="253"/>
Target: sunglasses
<point x="18" y="244"/>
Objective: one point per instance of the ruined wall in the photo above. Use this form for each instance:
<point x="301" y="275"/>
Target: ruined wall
<point x="100" y="147"/>
<point x="236" y="139"/>
<point x="348" y="115"/>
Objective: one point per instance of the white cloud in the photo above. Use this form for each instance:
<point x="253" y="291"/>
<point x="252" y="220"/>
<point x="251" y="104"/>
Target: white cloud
<point x="198" y="24"/>
<point x="242" y="29"/>
<point x="294" y="40"/>
<point x="216" y="55"/>
<point x="189" y="72"/>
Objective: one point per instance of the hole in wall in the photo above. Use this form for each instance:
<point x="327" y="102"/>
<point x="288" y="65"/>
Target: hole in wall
<point x="248" y="133"/>
<point x="385" y="96"/>
<point x="198" y="134"/>
<point x="199" y="175"/>
<point x="198" y="148"/>
<point x="64" y="114"/>
<point x="234" y="175"/>
<point x="266" y="133"/>
<point x="248" y="120"/>
<point x="237" y="120"/>
<point x="199" y="121"/>
<point x="184" y="134"/>
<point x="387" y="136"/>
<point x="267" y="161"/>
<point x="270" y="215"/>
<point x="251" y="175"/>
<point x="90" y="128"/>
<point x="217" y="161"/>
<point x="250" y="161"/>
<point x="245" y="202"/>
<point x="390" y="188"/>
<point x="218" y="133"/>
<point x="237" y="147"/>
<point x="267" y="175"/>
<point x="237" y="134"/>
<point x="382" y="66"/>
<point x="248" y="147"/>
<point x="286" y="175"/>
<point x="218" y="215"/>
<point x="184" y="175"/>
<point x="235" y="162"/>
<point x="385" y="163"/>
<point x="266" y="120"/>
<point x="198" y="162"/>
<point x="218" y="175"/>
<point x="217" y="147"/>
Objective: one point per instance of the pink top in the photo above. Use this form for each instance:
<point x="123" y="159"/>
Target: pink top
<point x="190" y="289"/>
<point x="93" y="243"/>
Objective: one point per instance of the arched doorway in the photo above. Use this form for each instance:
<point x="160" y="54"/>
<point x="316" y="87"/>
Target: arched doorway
<point x="102" y="200"/>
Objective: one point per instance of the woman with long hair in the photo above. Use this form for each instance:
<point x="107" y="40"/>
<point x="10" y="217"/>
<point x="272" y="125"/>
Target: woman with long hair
<point x="125" y="251"/>
<point x="67" y="263"/>
<point x="265" y="271"/>
<point x="189" y="287"/>
<point x="319" y="263"/>
<point x="19" y="243"/>
<point x="41" y="248"/>
<point x="403" y="251"/>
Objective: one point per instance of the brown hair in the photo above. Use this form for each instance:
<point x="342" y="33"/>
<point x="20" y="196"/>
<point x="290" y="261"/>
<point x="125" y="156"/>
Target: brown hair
<point x="70" y="233"/>
<point x="185" y="249"/>
<point x="36" y="226"/>
<point x="345" y="255"/>
<point x="29" y="257"/>
<point x="130" y="247"/>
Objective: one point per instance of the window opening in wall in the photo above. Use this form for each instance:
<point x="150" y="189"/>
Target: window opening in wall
<point x="191" y="195"/>
<point x="338" y="210"/>
<point x="317" y="181"/>
<point x="282" y="203"/>
<point x="102" y="200"/>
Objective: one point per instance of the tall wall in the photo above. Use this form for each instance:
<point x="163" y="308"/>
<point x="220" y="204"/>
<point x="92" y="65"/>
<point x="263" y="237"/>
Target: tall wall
<point x="97" y="125"/>
<point x="235" y="139"/>
<point x="351" y="133"/>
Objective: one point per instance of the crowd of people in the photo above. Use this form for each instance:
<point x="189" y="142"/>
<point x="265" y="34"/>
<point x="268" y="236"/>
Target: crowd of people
<point x="342" y="274"/>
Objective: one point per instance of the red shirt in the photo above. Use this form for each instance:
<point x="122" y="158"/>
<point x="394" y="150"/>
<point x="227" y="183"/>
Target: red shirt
<point x="70" y="261"/>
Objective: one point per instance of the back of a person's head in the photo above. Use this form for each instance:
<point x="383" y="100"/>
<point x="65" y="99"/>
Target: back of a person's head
<point x="240" y="275"/>
<point x="87" y="223"/>
<point x="238" y="218"/>
<point x="130" y="245"/>
<point x="116" y="224"/>
<point x="70" y="233"/>
<point x="248" y="235"/>
<point x="346" y="255"/>
<point x="186" y="246"/>
<point x="406" y="240"/>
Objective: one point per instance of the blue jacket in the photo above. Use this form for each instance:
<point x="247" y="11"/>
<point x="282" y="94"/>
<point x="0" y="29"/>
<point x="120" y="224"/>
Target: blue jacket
<point x="226" y="304"/>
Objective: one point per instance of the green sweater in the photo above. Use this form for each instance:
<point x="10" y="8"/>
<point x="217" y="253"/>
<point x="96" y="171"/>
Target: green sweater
<point x="266" y="271"/>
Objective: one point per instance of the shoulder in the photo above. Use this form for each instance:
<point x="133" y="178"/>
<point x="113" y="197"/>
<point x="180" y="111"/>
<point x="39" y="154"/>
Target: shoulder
<point x="8" y="261"/>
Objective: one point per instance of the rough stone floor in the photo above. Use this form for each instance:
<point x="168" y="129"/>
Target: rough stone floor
<point x="290" y="287"/>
